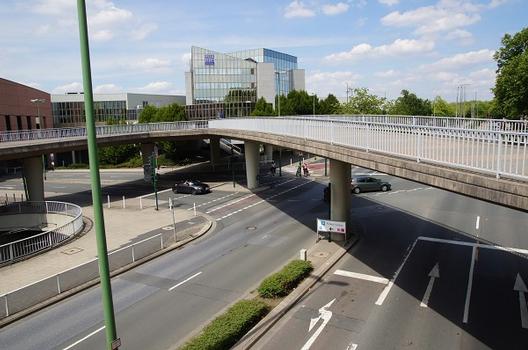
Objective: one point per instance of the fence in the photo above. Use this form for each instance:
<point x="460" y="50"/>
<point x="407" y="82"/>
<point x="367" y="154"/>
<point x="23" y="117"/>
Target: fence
<point x="12" y="251"/>
<point x="35" y="293"/>
<point x="495" y="152"/>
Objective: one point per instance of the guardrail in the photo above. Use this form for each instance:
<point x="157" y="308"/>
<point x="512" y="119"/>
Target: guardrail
<point x="13" y="251"/>
<point x="495" y="152"/>
<point x="105" y="130"/>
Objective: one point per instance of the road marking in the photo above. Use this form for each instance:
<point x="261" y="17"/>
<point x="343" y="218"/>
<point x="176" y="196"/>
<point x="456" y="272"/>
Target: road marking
<point x="352" y="346"/>
<point x="471" y="244"/>
<point x="469" y="287"/>
<point x="214" y="200"/>
<point x="230" y="203"/>
<point x="521" y="288"/>
<point x="324" y="314"/>
<point x="185" y="280"/>
<point x="435" y="273"/>
<point x="361" y="276"/>
<point x="83" y="339"/>
<point x="153" y="193"/>
<point x="7" y="187"/>
<point x="387" y="289"/>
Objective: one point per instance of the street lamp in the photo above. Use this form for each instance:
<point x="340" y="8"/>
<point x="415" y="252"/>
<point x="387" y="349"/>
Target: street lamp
<point x="38" y="101"/>
<point x="278" y="91"/>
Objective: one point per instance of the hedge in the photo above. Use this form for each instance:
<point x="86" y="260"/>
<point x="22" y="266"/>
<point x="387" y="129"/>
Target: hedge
<point x="283" y="282"/>
<point x="225" y="330"/>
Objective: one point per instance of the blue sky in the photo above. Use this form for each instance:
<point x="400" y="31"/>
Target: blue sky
<point x="429" y="47"/>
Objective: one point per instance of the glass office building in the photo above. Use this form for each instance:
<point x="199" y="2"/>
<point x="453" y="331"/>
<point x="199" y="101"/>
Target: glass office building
<point x="229" y="85"/>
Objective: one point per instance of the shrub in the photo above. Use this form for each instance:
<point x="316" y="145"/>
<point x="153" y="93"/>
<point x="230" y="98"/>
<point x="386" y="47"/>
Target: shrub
<point x="283" y="282"/>
<point x="225" y="330"/>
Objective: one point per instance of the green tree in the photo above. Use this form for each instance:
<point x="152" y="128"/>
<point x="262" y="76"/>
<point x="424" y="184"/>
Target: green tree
<point x="442" y="108"/>
<point x="263" y="108"/>
<point x="330" y="105"/>
<point x="364" y="102"/>
<point x="148" y="114"/>
<point x="410" y="104"/>
<point x="511" y="86"/>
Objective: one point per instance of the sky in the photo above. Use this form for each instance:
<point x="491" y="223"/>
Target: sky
<point x="427" y="47"/>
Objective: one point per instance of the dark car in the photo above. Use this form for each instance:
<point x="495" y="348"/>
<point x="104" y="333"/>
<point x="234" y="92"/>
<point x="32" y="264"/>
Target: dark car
<point x="366" y="184"/>
<point x="191" y="186"/>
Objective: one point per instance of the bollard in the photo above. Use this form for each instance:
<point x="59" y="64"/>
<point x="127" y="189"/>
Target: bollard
<point x="170" y="203"/>
<point x="14" y="198"/>
<point x="194" y="206"/>
<point x="302" y="254"/>
<point x="7" y="199"/>
<point x="108" y="200"/>
<point x="124" y="204"/>
<point x="140" y="203"/>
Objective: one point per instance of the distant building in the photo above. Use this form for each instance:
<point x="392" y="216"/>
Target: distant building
<point x="23" y="107"/>
<point x="68" y="109"/>
<point x="229" y="84"/>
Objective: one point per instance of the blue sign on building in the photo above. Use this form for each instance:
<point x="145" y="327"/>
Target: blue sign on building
<point x="209" y="59"/>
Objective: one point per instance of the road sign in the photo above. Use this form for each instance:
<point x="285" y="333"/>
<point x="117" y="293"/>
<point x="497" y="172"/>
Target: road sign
<point x="331" y="226"/>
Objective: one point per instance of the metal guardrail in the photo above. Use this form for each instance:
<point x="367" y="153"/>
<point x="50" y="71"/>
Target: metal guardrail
<point x="12" y="251"/>
<point x="105" y="130"/>
<point x="496" y="152"/>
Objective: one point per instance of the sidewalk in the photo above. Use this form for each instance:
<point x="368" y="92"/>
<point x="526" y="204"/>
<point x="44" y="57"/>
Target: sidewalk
<point x="122" y="226"/>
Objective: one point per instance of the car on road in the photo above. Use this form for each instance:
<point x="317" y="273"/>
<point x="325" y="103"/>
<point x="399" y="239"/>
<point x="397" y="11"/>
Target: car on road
<point x="192" y="187"/>
<point x="366" y="183"/>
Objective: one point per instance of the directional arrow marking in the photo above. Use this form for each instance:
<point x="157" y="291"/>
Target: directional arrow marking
<point x="324" y="314"/>
<point x="435" y="273"/>
<point x="521" y="288"/>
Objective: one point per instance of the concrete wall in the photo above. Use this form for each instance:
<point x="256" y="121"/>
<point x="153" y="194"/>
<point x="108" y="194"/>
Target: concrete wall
<point x="9" y="222"/>
<point x="266" y="82"/>
<point x="188" y="88"/>
<point x="297" y="79"/>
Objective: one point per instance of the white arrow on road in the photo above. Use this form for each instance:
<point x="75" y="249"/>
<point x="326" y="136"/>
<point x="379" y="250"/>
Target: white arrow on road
<point x="435" y="273"/>
<point x="521" y="288"/>
<point x="324" y="314"/>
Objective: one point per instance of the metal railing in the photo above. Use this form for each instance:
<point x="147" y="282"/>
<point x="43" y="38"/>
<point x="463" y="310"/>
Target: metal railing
<point x="105" y="130"/>
<point x="12" y="251"/>
<point x="496" y="152"/>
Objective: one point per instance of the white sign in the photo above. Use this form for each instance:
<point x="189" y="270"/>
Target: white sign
<point x="331" y="226"/>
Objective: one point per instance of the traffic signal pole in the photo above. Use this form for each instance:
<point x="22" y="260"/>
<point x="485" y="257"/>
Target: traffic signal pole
<point x="112" y="342"/>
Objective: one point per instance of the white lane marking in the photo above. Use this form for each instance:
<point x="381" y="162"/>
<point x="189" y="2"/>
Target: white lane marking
<point x="83" y="339"/>
<point x="387" y="289"/>
<point x="469" y="286"/>
<point x="153" y="193"/>
<point x="230" y="203"/>
<point x="214" y="200"/>
<point x="361" y="276"/>
<point x="324" y="314"/>
<point x="185" y="280"/>
<point x="352" y="346"/>
<point x="435" y="273"/>
<point x="521" y="288"/>
<point x="7" y="187"/>
<point x="262" y="201"/>
<point x="471" y="244"/>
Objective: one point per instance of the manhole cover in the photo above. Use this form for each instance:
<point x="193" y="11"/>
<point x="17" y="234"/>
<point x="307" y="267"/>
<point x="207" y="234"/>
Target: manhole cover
<point x="72" y="251"/>
<point x="167" y="228"/>
<point x="321" y="255"/>
<point x="251" y="228"/>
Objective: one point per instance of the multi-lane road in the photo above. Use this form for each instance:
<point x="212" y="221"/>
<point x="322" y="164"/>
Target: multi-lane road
<point x="415" y="248"/>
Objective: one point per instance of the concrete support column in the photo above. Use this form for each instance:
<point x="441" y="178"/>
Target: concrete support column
<point x="340" y="176"/>
<point x="214" y="146"/>
<point x="268" y="151"/>
<point x="73" y="157"/>
<point x="33" y="172"/>
<point x="251" y="153"/>
<point x="146" y="151"/>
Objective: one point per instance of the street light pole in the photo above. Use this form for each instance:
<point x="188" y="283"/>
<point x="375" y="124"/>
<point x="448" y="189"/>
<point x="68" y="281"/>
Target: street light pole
<point x="112" y="342"/>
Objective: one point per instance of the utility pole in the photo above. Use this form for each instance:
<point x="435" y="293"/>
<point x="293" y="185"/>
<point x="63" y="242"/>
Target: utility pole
<point x="112" y="342"/>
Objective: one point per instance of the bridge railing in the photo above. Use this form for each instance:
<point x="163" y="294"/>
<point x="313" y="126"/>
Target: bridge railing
<point x="103" y="130"/>
<point x="496" y="152"/>
<point x="27" y="246"/>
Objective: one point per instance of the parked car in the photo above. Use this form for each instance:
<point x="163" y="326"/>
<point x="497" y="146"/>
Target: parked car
<point x="192" y="187"/>
<point x="366" y="184"/>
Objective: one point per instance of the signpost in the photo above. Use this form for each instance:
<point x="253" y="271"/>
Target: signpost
<point x="154" y="176"/>
<point x="330" y="227"/>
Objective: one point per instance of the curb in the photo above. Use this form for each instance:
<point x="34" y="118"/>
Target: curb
<point x="259" y="330"/>
<point x="19" y="315"/>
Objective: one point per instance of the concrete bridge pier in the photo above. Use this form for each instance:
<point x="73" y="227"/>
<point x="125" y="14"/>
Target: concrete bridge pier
<point x="33" y="172"/>
<point x="251" y="153"/>
<point x="340" y="177"/>
<point x="146" y="151"/>
<point x="214" y="147"/>
<point x="268" y="152"/>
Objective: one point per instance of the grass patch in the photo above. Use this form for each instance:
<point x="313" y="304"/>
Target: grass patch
<point x="283" y="282"/>
<point x="225" y="330"/>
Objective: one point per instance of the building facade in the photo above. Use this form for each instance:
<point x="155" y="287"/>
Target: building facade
<point x="229" y="84"/>
<point x="23" y="107"/>
<point x="68" y="109"/>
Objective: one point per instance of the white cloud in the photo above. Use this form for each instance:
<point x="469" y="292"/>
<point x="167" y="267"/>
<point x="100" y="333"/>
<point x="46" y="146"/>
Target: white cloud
<point x="151" y="64"/>
<point x="53" y="7"/>
<point x="71" y="87"/>
<point x="397" y="48"/>
<point x="107" y="89"/>
<point x="446" y="15"/>
<point x="156" y="87"/>
<point x="143" y="31"/>
<point x="461" y="60"/>
<point x="460" y="36"/>
<point x="110" y="16"/>
<point x="298" y="9"/>
<point x="324" y="83"/>
<point x="101" y="35"/>
<point x="495" y="3"/>
<point x="335" y="9"/>
<point x="389" y="2"/>
<point x="391" y="73"/>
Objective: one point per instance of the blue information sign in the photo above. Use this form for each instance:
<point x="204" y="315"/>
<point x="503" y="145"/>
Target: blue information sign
<point x="209" y="59"/>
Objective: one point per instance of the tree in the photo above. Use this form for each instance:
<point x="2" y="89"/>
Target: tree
<point x="442" y="108"/>
<point x="511" y="86"/>
<point x="170" y="113"/>
<point x="263" y="108"/>
<point x="330" y="105"/>
<point x="410" y="104"/>
<point x="363" y="102"/>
